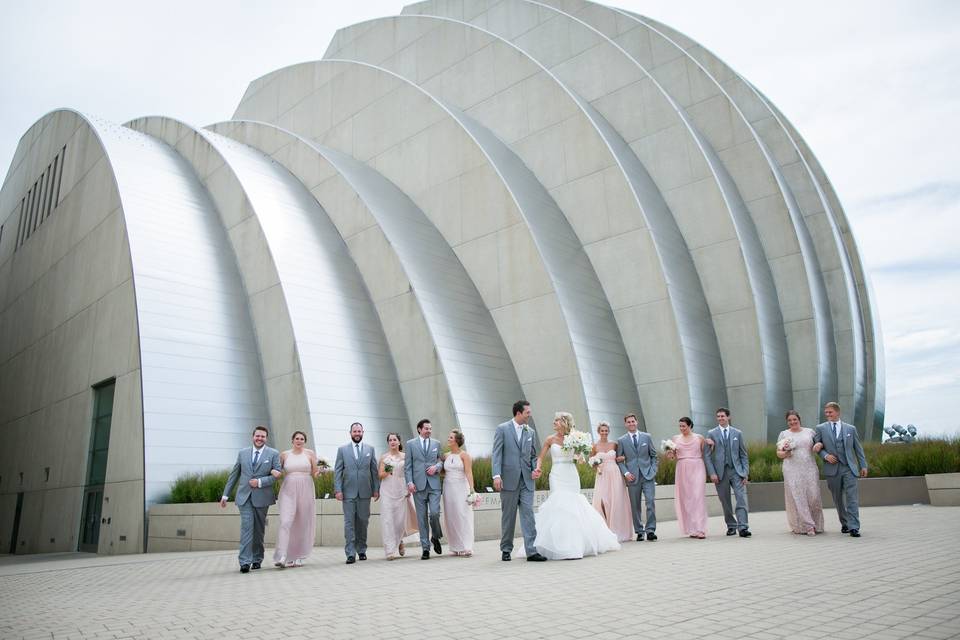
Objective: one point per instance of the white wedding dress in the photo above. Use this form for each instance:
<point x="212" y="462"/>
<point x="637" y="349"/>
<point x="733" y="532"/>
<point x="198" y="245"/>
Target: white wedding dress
<point x="568" y="527"/>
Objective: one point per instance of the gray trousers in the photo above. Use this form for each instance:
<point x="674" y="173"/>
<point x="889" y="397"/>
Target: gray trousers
<point x="729" y="480"/>
<point x="846" y="495"/>
<point x="253" y="522"/>
<point x="427" y="503"/>
<point x="510" y="501"/>
<point x="647" y="490"/>
<point x="356" y="517"/>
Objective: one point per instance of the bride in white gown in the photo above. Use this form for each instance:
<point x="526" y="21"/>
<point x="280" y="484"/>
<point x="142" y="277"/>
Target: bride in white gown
<point x="568" y="527"/>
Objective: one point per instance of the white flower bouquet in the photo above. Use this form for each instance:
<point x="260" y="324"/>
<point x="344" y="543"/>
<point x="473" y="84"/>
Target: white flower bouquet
<point x="322" y="465"/>
<point x="785" y="445"/>
<point x="668" y="445"/>
<point x="474" y="499"/>
<point x="579" y="443"/>
<point x="595" y="462"/>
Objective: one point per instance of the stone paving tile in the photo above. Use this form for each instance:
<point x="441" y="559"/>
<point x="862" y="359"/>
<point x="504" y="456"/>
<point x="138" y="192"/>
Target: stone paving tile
<point x="900" y="580"/>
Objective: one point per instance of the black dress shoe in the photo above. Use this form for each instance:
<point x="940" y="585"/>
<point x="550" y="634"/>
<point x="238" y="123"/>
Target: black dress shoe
<point x="255" y="566"/>
<point x="351" y="559"/>
<point x="745" y="533"/>
<point x="844" y="529"/>
<point x="244" y="568"/>
<point x="436" y="545"/>
<point x="639" y="537"/>
<point x="731" y="532"/>
<point x="651" y="536"/>
<point x="425" y="555"/>
<point x="536" y="558"/>
<point x="854" y="533"/>
<point x="505" y="556"/>
<point x="361" y="556"/>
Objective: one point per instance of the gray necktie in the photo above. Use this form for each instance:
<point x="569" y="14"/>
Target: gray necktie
<point x="424" y="447"/>
<point x="256" y="457"/>
<point x="356" y="447"/>
<point x="636" y="444"/>
<point x="836" y="431"/>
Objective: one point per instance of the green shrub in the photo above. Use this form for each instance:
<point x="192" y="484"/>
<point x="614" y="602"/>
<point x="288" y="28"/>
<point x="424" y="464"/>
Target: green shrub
<point x="888" y="460"/>
<point x="199" y="487"/>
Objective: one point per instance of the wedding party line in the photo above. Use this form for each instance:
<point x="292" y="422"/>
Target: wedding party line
<point x="406" y="479"/>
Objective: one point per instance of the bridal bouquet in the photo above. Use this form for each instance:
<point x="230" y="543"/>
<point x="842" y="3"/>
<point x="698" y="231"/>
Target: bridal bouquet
<point x="474" y="499"/>
<point x="786" y="445"/>
<point x="595" y="462"/>
<point x="668" y="445"/>
<point x="579" y="443"/>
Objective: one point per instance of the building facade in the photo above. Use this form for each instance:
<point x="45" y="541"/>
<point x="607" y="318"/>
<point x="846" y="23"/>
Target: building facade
<point x="458" y="206"/>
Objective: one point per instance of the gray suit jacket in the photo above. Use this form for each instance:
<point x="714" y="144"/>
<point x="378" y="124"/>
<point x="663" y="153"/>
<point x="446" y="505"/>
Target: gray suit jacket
<point x="244" y="471"/>
<point x="850" y="451"/>
<point x="356" y="478"/>
<point x="515" y="462"/>
<point x="715" y="457"/>
<point x="415" y="469"/>
<point x="641" y="460"/>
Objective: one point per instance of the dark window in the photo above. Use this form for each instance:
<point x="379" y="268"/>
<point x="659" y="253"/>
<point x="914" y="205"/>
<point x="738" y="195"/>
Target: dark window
<point x="53" y="177"/>
<point x="19" y="238"/>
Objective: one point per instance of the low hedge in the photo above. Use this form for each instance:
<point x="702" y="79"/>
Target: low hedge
<point x="887" y="460"/>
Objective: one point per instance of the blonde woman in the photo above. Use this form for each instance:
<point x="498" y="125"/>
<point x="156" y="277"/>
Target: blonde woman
<point x="568" y="527"/>
<point x="610" y="496"/>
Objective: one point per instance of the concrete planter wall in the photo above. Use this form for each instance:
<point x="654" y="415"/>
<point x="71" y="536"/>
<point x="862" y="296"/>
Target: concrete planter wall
<point x="944" y="489"/>
<point x="200" y="527"/>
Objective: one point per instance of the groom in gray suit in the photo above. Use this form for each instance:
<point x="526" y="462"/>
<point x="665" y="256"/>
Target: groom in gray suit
<point x="729" y="468"/>
<point x="515" y="449"/>
<point x="422" y="473"/>
<point x="844" y="462"/>
<point x="639" y="467"/>
<point x="356" y="479"/>
<point x="254" y="469"/>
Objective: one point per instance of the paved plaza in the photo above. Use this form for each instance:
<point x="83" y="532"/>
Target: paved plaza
<point x="900" y="580"/>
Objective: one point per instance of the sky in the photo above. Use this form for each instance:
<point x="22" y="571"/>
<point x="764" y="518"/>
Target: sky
<point x="872" y="87"/>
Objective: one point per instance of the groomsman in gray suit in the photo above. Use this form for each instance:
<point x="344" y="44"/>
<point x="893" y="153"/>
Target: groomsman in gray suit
<point x="355" y="481"/>
<point x="728" y="467"/>
<point x="422" y="473"/>
<point x="254" y="469"/>
<point x="844" y="462"/>
<point x="639" y="467"/>
<point x="515" y="449"/>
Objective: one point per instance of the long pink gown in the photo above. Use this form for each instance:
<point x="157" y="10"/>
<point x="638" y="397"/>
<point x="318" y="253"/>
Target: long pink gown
<point x="690" y="480"/>
<point x="397" y="516"/>
<point x="457" y="513"/>
<point x="610" y="497"/>
<point x="298" y="510"/>
<point x="801" y="483"/>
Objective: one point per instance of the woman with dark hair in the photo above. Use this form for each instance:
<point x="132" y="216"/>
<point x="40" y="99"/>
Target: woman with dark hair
<point x="690" y="480"/>
<point x="801" y="478"/>
<point x="297" y="504"/>
<point x="398" y="518"/>
<point x="458" y="496"/>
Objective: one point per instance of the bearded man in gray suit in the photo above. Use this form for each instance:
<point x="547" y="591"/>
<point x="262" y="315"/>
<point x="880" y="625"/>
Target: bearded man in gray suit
<point x="515" y="449"/>
<point x="639" y="468"/>
<point x="844" y="462"/>
<point x="729" y="468"/>
<point x="422" y="473"/>
<point x="356" y="479"/>
<point x="255" y="468"/>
